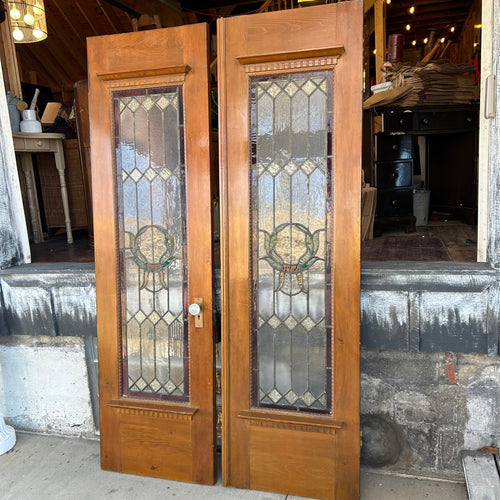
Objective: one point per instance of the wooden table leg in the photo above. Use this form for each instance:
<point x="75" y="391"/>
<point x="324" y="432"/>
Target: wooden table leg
<point x="60" y="165"/>
<point x="36" y="223"/>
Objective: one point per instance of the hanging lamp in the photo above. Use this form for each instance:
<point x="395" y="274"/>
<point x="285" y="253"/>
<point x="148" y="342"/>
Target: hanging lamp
<point x="27" y="19"/>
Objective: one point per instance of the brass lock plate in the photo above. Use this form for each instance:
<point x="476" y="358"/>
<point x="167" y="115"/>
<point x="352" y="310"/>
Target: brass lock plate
<point x="198" y="318"/>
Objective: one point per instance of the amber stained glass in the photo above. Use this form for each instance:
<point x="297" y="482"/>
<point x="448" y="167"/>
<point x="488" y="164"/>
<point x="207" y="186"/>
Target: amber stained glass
<point x="291" y="126"/>
<point x="149" y="140"/>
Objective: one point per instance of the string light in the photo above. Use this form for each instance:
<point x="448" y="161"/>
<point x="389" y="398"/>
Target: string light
<point x="414" y="42"/>
<point x="412" y="9"/>
<point x="452" y="29"/>
<point x="443" y="39"/>
<point x="15" y="14"/>
<point x="425" y="40"/>
<point x="408" y="27"/>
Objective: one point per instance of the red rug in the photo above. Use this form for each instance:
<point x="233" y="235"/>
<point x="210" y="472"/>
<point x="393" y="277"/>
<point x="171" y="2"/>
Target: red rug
<point x="414" y="248"/>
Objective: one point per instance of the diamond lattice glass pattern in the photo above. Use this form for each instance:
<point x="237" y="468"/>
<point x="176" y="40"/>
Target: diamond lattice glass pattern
<point x="149" y="138"/>
<point x="291" y="124"/>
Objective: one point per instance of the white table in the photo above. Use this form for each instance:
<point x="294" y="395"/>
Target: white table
<point x="25" y="144"/>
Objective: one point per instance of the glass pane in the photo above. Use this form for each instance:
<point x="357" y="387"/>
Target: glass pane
<point x="152" y="241"/>
<point x="291" y="216"/>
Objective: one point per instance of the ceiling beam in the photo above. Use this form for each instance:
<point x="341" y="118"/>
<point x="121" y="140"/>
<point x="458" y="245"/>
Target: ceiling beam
<point x="201" y="5"/>
<point x="44" y="58"/>
<point x="84" y="14"/>
<point x="109" y="15"/>
<point x="71" y="25"/>
<point x="367" y="5"/>
<point x="79" y="56"/>
<point x="44" y="76"/>
<point x="125" y="8"/>
<point x="444" y="8"/>
<point x="168" y="17"/>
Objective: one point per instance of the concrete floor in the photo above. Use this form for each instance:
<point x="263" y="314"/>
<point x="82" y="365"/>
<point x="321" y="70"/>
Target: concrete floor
<point x="56" y="468"/>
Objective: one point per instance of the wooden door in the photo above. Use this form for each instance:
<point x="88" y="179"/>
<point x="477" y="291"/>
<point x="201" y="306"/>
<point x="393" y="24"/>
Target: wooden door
<point x="150" y="147"/>
<point x="290" y="135"/>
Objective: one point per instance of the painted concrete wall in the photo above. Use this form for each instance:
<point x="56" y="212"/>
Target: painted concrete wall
<point x="432" y="307"/>
<point x="48" y="299"/>
<point x="44" y="385"/>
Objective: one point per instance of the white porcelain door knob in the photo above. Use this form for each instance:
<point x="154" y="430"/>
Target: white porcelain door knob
<point x="194" y="309"/>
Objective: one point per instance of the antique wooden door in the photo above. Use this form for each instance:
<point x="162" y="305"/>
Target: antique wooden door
<point x="290" y="136"/>
<point x="150" y="147"/>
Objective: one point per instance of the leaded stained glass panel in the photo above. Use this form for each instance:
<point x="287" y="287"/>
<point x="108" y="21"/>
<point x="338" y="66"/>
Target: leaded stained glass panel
<point x="291" y="124"/>
<point x="149" y="140"/>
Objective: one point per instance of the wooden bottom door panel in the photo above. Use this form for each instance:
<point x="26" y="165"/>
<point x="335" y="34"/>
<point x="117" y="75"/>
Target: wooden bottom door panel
<point x="290" y="136"/>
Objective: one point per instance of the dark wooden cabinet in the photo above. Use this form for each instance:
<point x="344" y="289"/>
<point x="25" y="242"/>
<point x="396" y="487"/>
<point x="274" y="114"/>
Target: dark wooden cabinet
<point x="449" y="161"/>
<point x="422" y="120"/>
<point x="394" y="174"/>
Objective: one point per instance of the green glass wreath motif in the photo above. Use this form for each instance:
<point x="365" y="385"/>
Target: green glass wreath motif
<point x="276" y="251"/>
<point x="144" y="245"/>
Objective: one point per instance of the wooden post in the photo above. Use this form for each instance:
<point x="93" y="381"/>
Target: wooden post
<point x="9" y="60"/>
<point x="380" y="42"/>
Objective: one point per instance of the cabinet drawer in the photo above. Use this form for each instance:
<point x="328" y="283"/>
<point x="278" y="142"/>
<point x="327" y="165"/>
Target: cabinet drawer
<point x="28" y="144"/>
<point x="395" y="203"/>
<point x="394" y="174"/>
<point x="449" y="120"/>
<point x="431" y="120"/>
<point x="398" y="121"/>
<point x="394" y="147"/>
<point x="39" y="144"/>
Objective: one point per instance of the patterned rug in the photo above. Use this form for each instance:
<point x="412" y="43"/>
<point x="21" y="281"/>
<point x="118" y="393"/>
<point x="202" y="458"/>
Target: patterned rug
<point x="414" y="248"/>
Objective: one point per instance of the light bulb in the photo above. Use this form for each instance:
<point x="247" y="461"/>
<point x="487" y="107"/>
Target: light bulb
<point x="17" y="34"/>
<point x="408" y="27"/>
<point x="414" y="42"/>
<point x="426" y="40"/>
<point x="412" y="9"/>
<point x="442" y="39"/>
<point x="37" y="33"/>
<point x="29" y="19"/>
<point x="15" y="14"/>
<point x="37" y="11"/>
<point x="452" y="29"/>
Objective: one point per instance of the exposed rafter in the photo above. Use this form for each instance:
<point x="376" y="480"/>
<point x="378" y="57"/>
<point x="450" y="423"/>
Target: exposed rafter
<point x="61" y="59"/>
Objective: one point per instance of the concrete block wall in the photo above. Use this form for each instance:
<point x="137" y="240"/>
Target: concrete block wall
<point x="419" y="410"/>
<point x="48" y="378"/>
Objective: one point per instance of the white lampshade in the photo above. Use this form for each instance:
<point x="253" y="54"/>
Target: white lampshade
<point x="27" y="18"/>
